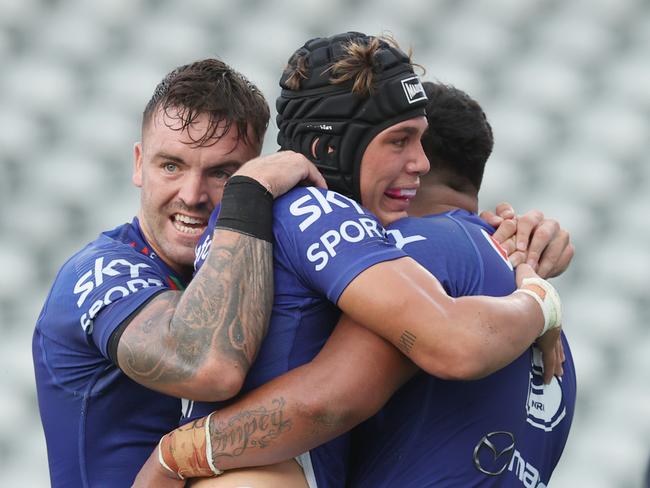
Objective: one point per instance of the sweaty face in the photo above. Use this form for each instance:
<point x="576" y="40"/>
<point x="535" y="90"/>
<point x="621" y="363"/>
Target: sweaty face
<point x="181" y="184"/>
<point x="391" y="169"/>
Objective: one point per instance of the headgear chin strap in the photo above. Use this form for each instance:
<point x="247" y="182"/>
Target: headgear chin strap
<point x="333" y="126"/>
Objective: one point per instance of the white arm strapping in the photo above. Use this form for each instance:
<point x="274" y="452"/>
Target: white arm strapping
<point x="550" y="303"/>
<point x="162" y="462"/>
<point x="208" y="447"/>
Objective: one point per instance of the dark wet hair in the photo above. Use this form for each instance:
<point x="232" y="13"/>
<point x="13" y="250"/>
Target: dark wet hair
<point x="211" y="87"/>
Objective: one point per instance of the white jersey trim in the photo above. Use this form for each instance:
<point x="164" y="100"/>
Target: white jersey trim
<point x="304" y="460"/>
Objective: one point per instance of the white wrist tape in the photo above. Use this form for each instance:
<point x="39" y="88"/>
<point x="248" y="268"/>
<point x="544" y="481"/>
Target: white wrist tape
<point x="549" y="301"/>
<point x="162" y="462"/>
<point x="208" y="447"/>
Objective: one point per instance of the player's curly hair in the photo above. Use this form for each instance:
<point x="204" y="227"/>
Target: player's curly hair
<point x="459" y="139"/>
<point x="210" y="87"/>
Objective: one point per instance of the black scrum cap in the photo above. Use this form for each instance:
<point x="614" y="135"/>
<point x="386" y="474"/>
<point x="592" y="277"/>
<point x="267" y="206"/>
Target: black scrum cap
<point x="333" y="126"/>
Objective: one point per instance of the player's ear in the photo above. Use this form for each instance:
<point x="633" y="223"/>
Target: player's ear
<point x="137" y="164"/>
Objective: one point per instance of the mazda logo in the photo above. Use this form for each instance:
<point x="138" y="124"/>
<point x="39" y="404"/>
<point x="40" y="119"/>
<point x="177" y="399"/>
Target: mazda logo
<point x="493" y="452"/>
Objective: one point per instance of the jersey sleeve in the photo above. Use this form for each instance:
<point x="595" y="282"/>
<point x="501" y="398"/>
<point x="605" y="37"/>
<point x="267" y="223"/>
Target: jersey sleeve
<point x="328" y="239"/>
<point x="458" y="249"/>
<point x="205" y="242"/>
<point x="444" y="248"/>
<point x="107" y="286"/>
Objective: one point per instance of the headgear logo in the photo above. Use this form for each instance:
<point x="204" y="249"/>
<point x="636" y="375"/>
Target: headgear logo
<point x="493" y="452"/>
<point x="413" y="89"/>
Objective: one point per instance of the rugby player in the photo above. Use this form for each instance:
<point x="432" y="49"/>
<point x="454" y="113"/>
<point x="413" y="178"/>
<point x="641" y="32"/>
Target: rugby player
<point x="508" y="429"/>
<point x="329" y="250"/>
<point x="118" y="340"/>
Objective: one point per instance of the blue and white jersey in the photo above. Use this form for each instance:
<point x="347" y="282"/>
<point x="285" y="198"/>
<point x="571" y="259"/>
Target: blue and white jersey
<point x="507" y="429"/>
<point x="100" y="426"/>
<point x="323" y="240"/>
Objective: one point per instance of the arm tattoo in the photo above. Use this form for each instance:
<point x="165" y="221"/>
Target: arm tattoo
<point x="407" y="341"/>
<point x="224" y="311"/>
<point x="248" y="429"/>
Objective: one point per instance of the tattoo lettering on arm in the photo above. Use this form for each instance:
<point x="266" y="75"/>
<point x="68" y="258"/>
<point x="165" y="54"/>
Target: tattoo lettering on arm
<point x="407" y="341"/>
<point x="224" y="312"/>
<point x="248" y="429"/>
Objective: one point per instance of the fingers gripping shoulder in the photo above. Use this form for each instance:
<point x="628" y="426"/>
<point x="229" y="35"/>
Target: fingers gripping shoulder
<point x="548" y="299"/>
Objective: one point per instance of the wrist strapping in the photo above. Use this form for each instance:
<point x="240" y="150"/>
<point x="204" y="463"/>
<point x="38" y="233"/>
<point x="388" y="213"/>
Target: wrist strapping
<point x="247" y="208"/>
<point x="187" y="451"/>
<point x="161" y="458"/>
<point x="548" y="299"/>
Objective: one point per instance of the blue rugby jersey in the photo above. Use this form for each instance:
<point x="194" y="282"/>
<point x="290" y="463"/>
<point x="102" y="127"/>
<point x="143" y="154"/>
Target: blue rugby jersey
<point x="100" y="426"/>
<point x="506" y="430"/>
<point x="323" y="240"/>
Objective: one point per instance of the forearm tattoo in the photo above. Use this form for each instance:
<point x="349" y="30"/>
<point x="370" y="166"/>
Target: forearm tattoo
<point x="225" y="309"/>
<point x="248" y="429"/>
<point x="407" y="341"/>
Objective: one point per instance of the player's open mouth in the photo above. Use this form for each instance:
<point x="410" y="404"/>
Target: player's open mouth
<point x="401" y="193"/>
<point x="188" y="225"/>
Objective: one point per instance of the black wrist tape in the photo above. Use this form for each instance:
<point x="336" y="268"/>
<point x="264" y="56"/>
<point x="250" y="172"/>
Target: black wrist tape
<point x="247" y="208"/>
